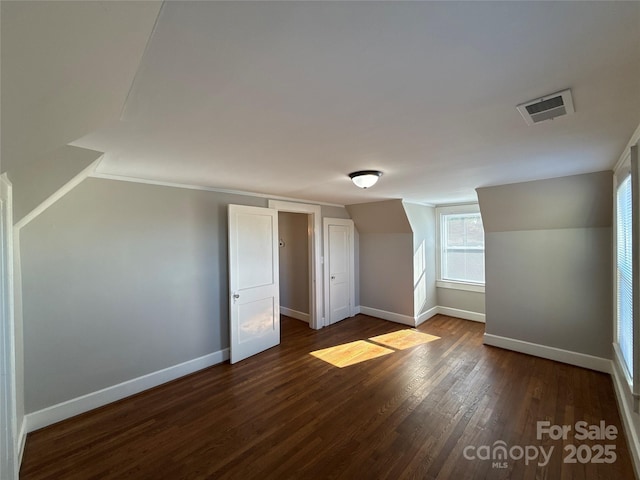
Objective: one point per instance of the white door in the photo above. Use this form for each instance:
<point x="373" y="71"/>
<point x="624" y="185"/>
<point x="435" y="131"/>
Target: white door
<point x="254" y="302"/>
<point x="339" y="267"/>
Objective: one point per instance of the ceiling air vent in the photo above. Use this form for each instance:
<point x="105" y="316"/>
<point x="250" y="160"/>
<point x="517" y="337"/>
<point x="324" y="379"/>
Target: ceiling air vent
<point x="547" y="107"/>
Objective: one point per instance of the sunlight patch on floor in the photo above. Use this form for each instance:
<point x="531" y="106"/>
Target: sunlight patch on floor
<point x="362" y="350"/>
<point x="351" y="353"/>
<point x="403" y="339"/>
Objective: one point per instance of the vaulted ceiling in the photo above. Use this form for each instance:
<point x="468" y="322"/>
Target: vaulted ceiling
<point x="287" y="98"/>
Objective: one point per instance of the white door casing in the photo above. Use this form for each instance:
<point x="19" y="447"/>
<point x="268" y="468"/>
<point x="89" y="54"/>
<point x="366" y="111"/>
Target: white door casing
<point x="254" y="297"/>
<point x="9" y="441"/>
<point x="316" y="320"/>
<point x="339" y="268"/>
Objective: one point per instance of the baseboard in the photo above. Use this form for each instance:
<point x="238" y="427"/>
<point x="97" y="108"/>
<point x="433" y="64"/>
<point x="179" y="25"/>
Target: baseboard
<point x="565" y="356"/>
<point x="464" y="314"/>
<point x="391" y="316"/>
<point x="294" y="314"/>
<point x="623" y="396"/>
<point x="76" y="406"/>
<point x="22" y="441"/>
<point x="423" y="317"/>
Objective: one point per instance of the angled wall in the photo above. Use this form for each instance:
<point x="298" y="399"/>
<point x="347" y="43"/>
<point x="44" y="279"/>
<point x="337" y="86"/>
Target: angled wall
<point x="548" y="263"/>
<point x="423" y="224"/>
<point x="385" y="258"/>
<point x="67" y="68"/>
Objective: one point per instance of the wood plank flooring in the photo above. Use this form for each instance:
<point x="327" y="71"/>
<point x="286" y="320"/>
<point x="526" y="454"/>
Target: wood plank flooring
<point x="285" y="414"/>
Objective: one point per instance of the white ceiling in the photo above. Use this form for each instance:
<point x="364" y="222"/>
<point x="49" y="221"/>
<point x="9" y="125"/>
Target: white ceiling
<point x="287" y="98"/>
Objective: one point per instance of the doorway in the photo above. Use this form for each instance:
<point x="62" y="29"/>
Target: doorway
<point x="314" y="229"/>
<point x="294" y="248"/>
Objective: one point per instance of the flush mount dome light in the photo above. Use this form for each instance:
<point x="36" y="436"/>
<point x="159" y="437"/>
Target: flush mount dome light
<point x="365" y="178"/>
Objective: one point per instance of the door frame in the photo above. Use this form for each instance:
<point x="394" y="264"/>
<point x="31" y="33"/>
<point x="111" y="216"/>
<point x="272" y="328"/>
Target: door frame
<point x="9" y="441"/>
<point x="316" y="318"/>
<point x="352" y="283"/>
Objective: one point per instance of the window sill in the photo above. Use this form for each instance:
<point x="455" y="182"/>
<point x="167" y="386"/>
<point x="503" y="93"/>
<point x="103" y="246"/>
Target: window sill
<point x="469" y="287"/>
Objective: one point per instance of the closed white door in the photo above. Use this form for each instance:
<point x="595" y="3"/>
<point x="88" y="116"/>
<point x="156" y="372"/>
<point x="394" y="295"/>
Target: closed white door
<point x="254" y="302"/>
<point x="339" y="261"/>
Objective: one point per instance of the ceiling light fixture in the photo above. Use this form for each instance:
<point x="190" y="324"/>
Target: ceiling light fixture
<point x="365" y="178"/>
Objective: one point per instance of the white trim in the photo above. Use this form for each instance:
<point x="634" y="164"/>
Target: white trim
<point x="468" y="287"/>
<point x="424" y="316"/>
<point x="441" y="210"/>
<point x="9" y="435"/>
<point x="617" y="355"/>
<point x="161" y="183"/>
<point x="635" y="138"/>
<point x="635" y="257"/>
<point x="58" y="194"/>
<point x="453" y="206"/>
<point x="464" y="314"/>
<point x="391" y="316"/>
<point x="559" y="355"/>
<point x="326" y="222"/>
<point x="316" y="320"/>
<point x="625" y="408"/>
<point x="90" y="401"/>
<point x="294" y="314"/>
<point x="357" y="310"/>
<point x="22" y="441"/>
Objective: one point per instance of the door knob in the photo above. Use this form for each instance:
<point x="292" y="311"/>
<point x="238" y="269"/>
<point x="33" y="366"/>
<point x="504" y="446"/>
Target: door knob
<point x="333" y="277"/>
<point x="236" y="295"/>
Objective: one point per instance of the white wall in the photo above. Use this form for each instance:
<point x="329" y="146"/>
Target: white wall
<point x="548" y="262"/>
<point x="385" y="258"/>
<point x="386" y="272"/>
<point x="423" y="223"/>
<point x="461" y="300"/>
<point x="121" y="280"/>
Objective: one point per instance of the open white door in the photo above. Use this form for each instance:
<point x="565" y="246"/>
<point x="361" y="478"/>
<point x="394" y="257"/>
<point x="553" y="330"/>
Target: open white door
<point x="339" y="283"/>
<point x="254" y="302"/>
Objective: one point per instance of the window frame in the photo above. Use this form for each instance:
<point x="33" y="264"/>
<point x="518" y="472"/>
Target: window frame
<point x="441" y="212"/>
<point x="628" y="166"/>
<point x="624" y="174"/>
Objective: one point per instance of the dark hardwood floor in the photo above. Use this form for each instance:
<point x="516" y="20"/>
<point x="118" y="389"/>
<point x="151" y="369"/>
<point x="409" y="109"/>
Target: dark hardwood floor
<point x="285" y="414"/>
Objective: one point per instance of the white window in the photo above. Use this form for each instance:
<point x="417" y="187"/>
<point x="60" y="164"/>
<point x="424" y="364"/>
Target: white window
<point x="460" y="248"/>
<point x="624" y="274"/>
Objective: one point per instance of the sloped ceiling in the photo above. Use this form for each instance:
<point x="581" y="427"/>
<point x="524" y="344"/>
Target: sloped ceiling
<point x="66" y="70"/>
<point x="580" y="201"/>
<point x="387" y="216"/>
<point x="287" y="98"/>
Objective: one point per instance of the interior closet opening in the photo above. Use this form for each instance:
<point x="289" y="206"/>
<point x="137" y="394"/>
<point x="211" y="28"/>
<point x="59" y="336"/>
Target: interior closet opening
<point x="295" y="254"/>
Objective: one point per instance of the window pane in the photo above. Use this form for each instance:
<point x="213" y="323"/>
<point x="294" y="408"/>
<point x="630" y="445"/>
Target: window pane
<point x="624" y="273"/>
<point x="474" y="231"/>
<point x="462" y="254"/>
<point x="455" y="230"/>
